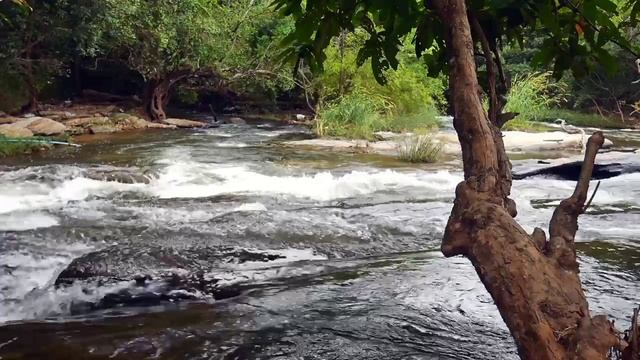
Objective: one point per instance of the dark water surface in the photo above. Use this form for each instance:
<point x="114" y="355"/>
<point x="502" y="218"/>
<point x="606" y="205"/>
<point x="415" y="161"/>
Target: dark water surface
<point x="354" y="270"/>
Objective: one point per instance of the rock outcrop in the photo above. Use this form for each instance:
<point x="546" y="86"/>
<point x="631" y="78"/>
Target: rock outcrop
<point x="41" y="126"/>
<point x="571" y="171"/>
<point x="10" y="130"/>
<point x="121" y="176"/>
<point x="160" y="274"/>
<point x="185" y="124"/>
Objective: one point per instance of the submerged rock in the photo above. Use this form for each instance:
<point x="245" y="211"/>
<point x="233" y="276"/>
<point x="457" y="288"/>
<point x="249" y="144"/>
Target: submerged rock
<point x="159" y="273"/>
<point x="121" y="176"/>
<point x="571" y="171"/>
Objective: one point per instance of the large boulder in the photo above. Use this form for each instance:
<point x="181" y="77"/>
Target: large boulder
<point x="42" y="126"/>
<point x="183" y="123"/>
<point x="8" y="119"/>
<point x="10" y="130"/>
<point x="160" y="273"/>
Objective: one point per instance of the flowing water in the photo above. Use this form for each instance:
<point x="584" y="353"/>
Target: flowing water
<point x="348" y="268"/>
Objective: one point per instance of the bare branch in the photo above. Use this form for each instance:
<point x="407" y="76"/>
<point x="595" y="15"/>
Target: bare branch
<point x="564" y="223"/>
<point x="591" y="199"/>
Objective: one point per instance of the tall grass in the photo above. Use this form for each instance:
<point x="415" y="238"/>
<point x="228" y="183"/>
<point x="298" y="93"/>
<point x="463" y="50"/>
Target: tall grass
<point x="419" y="149"/>
<point x="360" y="115"/>
<point x="356" y="106"/>
<point x="17" y="146"/>
<point x="354" y="116"/>
<point x="533" y="96"/>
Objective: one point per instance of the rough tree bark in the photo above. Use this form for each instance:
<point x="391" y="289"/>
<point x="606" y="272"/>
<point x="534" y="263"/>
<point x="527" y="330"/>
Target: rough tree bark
<point x="534" y="282"/>
<point x="157" y="94"/>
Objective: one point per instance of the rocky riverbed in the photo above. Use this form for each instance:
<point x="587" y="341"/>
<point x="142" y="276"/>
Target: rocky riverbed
<point x="235" y="244"/>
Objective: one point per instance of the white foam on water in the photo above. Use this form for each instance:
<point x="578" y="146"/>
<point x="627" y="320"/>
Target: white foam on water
<point x="230" y="145"/>
<point x="257" y="271"/>
<point x="14" y="198"/>
<point x="40" y="304"/>
<point x="251" y="207"/>
<point x="19" y="221"/>
<point x="193" y="180"/>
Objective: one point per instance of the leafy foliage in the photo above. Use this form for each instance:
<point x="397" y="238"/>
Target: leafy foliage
<point x="409" y="100"/>
<point x="575" y="32"/>
<point x="533" y="95"/>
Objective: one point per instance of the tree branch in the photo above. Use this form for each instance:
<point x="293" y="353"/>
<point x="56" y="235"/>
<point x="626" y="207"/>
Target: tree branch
<point x="564" y="222"/>
<point x="492" y="71"/>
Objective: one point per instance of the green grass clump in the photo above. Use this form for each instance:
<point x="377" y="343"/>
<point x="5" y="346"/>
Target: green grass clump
<point x="18" y="146"/>
<point x="360" y="116"/>
<point x="419" y="149"/>
<point x="354" y="116"/>
<point x="533" y="96"/>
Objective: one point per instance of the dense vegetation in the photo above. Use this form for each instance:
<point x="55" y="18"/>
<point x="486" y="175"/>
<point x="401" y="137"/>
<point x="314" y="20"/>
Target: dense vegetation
<point x="317" y="51"/>
<point x="219" y="53"/>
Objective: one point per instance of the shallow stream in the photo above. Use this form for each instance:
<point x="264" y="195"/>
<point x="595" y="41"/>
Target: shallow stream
<point x="353" y="267"/>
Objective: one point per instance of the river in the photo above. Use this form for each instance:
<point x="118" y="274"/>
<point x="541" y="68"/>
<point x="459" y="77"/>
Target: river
<point x="344" y="252"/>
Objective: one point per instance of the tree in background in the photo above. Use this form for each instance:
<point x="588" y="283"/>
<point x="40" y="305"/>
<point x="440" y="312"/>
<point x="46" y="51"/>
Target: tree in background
<point x="167" y="41"/>
<point x="534" y="281"/>
<point x="33" y="36"/>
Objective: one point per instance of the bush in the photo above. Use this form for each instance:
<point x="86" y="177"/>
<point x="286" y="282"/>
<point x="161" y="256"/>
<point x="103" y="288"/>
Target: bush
<point x="356" y="105"/>
<point x="419" y="149"/>
<point x="534" y="95"/>
<point x="354" y="116"/>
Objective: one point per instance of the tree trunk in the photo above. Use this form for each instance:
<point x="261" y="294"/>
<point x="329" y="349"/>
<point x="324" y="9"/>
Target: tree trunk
<point x="26" y="64"/>
<point x="534" y="282"/>
<point x="156" y="98"/>
<point x="157" y="94"/>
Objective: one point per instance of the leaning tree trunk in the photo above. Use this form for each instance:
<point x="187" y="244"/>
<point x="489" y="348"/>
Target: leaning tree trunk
<point x="157" y="94"/>
<point x="534" y="282"/>
<point x="156" y="99"/>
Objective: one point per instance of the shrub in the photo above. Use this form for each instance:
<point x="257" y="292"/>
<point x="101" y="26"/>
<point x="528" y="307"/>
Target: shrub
<point x="419" y="149"/>
<point x="354" y="116"/>
<point x="533" y="96"/>
<point x="356" y="105"/>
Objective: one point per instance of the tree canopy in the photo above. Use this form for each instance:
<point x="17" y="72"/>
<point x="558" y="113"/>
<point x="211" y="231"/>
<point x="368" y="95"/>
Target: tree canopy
<point x="576" y="32"/>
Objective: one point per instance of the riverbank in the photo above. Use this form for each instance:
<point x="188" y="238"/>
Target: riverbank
<point x="58" y="124"/>
<point x="514" y="141"/>
<point x="85" y="123"/>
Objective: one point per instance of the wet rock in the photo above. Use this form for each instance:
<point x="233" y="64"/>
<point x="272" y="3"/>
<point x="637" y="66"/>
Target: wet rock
<point x="183" y="123"/>
<point x="10" y="130"/>
<point x="121" y="176"/>
<point x="571" y="171"/>
<point x="160" y="273"/>
<point x="237" y="121"/>
<point x="42" y="126"/>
